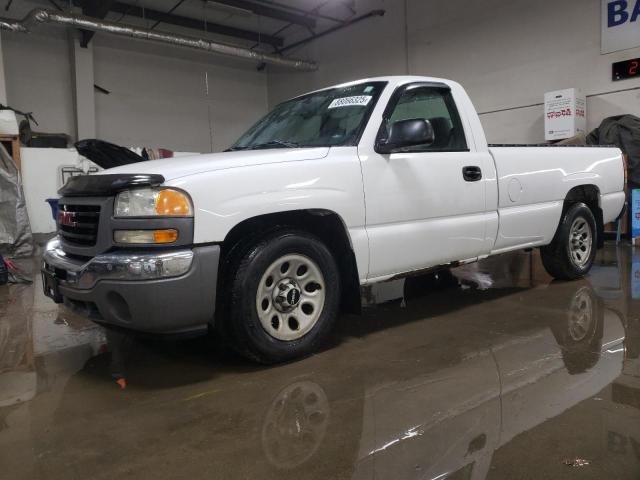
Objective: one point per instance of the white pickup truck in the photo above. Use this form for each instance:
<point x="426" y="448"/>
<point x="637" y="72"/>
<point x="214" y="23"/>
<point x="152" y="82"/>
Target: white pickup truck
<point x="354" y="184"/>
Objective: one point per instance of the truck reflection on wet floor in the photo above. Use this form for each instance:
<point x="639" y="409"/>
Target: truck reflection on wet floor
<point x="488" y="371"/>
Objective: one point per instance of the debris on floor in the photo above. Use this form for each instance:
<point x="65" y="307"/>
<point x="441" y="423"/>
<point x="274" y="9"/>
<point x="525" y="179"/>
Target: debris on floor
<point x="576" y="462"/>
<point x="12" y="272"/>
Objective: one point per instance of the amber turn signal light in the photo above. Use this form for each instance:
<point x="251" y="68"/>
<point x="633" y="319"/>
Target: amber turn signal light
<point x="173" y="203"/>
<point x="165" y="236"/>
<point x="145" y="236"/>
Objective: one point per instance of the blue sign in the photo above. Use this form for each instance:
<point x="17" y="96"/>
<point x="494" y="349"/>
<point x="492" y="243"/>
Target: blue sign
<point x="635" y="213"/>
<point x="635" y="276"/>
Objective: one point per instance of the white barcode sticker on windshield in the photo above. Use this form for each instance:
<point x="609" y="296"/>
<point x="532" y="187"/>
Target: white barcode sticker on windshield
<point x="359" y="100"/>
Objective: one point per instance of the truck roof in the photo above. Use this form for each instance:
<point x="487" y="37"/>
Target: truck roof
<point x="394" y="80"/>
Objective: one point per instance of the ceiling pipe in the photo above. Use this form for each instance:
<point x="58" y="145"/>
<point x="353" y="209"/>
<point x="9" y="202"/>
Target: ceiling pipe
<point x="40" y="15"/>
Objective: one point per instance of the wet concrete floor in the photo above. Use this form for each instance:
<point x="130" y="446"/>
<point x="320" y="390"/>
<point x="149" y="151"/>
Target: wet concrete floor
<point x="495" y="372"/>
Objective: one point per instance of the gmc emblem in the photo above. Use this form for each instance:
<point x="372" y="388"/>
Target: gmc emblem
<point x="67" y="219"/>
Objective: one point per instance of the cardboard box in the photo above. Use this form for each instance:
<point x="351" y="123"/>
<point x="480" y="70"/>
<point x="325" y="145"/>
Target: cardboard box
<point x="565" y="114"/>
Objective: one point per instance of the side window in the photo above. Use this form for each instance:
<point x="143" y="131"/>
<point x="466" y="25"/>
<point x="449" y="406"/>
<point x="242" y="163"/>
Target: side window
<point x="437" y="106"/>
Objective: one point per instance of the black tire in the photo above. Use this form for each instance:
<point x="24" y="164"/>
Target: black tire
<point x="557" y="256"/>
<point x="239" y="323"/>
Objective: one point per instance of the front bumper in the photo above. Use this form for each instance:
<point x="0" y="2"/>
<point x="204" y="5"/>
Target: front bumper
<point x="169" y="291"/>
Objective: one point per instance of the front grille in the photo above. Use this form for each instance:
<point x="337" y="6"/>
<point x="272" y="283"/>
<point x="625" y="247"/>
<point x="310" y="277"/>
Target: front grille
<point x="78" y="224"/>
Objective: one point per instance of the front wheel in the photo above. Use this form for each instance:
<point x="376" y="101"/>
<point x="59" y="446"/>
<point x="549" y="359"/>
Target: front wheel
<point x="571" y="253"/>
<point x="283" y="297"/>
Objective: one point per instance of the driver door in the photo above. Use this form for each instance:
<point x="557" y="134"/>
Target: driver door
<point x="425" y="205"/>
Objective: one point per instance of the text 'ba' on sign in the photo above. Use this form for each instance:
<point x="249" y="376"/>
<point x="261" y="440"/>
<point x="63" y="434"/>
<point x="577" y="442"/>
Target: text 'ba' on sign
<point x="620" y="25"/>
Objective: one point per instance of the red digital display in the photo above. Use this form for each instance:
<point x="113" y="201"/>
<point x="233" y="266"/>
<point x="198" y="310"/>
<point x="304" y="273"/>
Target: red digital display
<point x="626" y="69"/>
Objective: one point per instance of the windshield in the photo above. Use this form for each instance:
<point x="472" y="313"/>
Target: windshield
<point x="333" y="117"/>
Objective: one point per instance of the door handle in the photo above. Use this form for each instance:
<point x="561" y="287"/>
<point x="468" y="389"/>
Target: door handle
<point x="471" y="174"/>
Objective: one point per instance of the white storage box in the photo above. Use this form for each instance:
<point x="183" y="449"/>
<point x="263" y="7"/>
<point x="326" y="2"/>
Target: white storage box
<point x="8" y="123"/>
<point x="565" y="114"/>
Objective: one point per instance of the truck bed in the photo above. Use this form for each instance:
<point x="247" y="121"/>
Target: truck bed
<point x="534" y="181"/>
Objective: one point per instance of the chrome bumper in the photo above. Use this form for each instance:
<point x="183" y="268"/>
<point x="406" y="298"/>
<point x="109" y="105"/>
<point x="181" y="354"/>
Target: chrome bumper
<point x="127" y="266"/>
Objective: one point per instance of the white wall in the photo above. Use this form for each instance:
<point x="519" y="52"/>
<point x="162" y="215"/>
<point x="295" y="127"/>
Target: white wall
<point x="158" y="96"/>
<point x="38" y="78"/>
<point x="3" y="85"/>
<point x="372" y="47"/>
<point x="41" y="180"/>
<point x="506" y="54"/>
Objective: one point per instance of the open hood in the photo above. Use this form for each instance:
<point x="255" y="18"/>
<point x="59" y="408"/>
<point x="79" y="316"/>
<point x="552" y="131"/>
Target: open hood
<point x="105" y="154"/>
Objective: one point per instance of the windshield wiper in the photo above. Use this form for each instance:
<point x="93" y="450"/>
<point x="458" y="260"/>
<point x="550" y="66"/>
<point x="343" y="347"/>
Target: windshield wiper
<point x="269" y="144"/>
<point x="273" y="144"/>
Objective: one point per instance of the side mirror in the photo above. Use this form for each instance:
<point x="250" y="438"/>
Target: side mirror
<point x="406" y="133"/>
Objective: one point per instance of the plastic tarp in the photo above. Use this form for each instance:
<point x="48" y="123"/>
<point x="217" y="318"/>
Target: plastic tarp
<point x="623" y="131"/>
<point x="16" y="239"/>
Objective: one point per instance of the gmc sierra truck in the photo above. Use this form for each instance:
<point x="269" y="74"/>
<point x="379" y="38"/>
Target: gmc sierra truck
<point x="354" y="184"/>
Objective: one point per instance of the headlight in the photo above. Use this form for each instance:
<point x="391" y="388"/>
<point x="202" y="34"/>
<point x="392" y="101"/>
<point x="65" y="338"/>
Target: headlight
<point x="150" y="202"/>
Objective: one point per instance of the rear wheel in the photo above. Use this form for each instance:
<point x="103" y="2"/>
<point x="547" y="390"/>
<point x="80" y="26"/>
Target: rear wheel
<point x="281" y="298"/>
<point x="572" y="251"/>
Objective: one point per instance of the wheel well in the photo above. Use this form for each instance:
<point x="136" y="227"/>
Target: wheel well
<point x="324" y="224"/>
<point x="590" y="196"/>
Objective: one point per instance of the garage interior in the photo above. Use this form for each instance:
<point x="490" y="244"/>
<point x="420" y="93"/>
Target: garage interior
<point x="486" y="370"/>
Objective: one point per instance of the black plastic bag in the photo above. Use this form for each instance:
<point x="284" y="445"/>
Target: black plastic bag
<point x="623" y="131"/>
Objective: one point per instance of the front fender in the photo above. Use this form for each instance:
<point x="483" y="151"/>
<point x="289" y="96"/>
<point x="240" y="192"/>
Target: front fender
<point x="224" y="198"/>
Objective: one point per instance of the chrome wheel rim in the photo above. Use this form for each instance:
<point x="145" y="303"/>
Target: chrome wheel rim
<point x="580" y="242"/>
<point x="290" y="297"/>
<point x="580" y="315"/>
